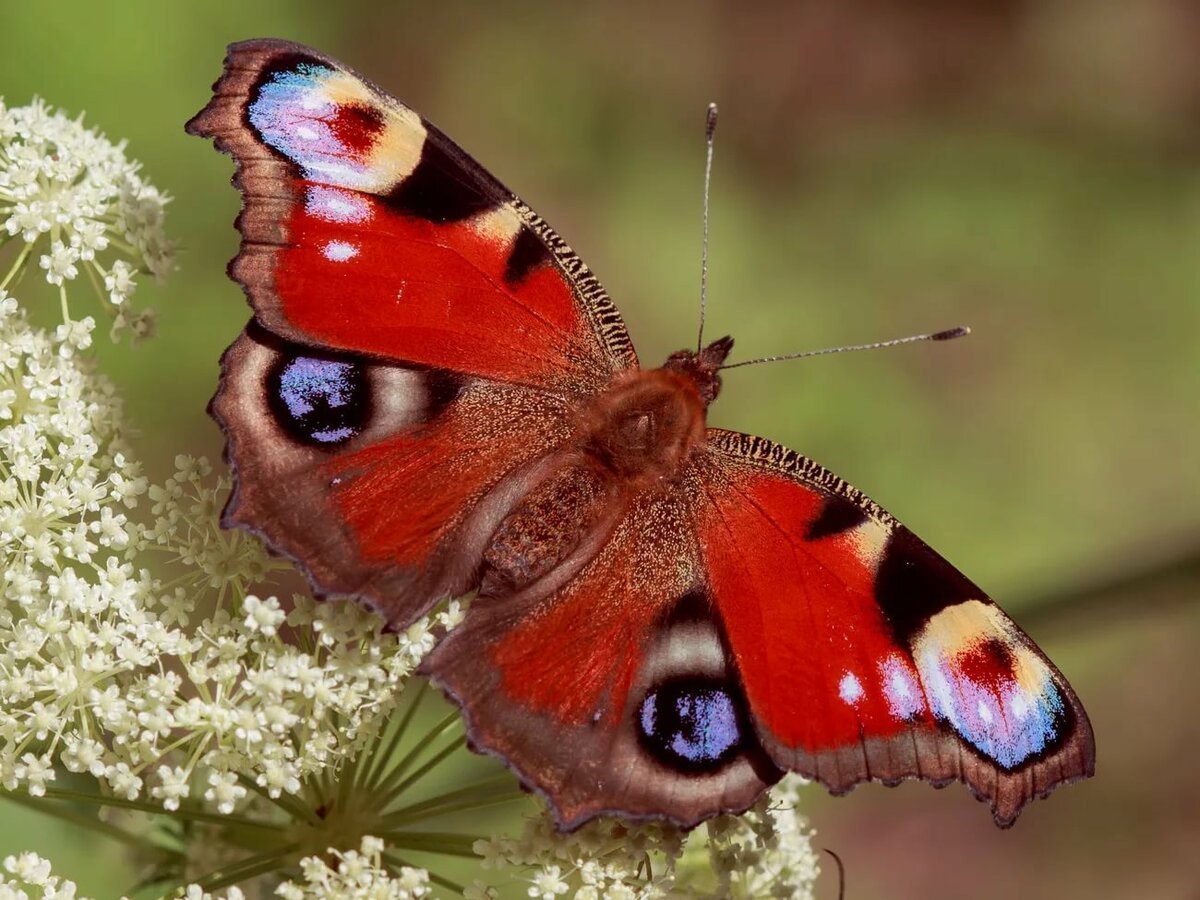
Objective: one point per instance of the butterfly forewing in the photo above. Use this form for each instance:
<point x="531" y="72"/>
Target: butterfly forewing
<point x="366" y="229"/>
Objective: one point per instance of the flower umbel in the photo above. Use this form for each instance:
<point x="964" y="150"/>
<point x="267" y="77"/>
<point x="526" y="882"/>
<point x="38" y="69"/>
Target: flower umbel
<point x="30" y="872"/>
<point x="357" y="873"/>
<point x="765" y="853"/>
<point x="76" y="205"/>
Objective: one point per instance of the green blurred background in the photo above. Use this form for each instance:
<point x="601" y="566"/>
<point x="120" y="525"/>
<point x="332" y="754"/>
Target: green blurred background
<point x="1030" y="169"/>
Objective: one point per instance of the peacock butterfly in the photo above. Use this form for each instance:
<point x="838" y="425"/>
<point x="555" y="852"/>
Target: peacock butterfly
<point x="436" y="396"/>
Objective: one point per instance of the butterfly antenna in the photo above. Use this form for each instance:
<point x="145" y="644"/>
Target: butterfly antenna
<point x="841" y="873"/>
<point x="710" y="129"/>
<point x="947" y="335"/>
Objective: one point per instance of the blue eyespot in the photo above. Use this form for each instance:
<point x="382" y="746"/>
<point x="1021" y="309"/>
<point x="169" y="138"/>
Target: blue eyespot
<point x="691" y="724"/>
<point x="321" y="401"/>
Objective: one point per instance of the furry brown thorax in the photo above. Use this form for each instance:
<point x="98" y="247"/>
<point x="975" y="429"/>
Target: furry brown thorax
<point x="645" y="425"/>
<point x="635" y="437"/>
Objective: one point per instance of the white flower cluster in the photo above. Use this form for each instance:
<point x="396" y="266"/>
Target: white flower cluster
<point x="30" y="872"/>
<point x="185" y="510"/>
<point x="66" y="477"/>
<point x="103" y="668"/>
<point x="767" y="852"/>
<point x="358" y="875"/>
<point x="604" y="858"/>
<point x="75" y="201"/>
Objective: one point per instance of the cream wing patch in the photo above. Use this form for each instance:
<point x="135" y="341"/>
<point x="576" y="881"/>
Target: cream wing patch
<point x="336" y="129"/>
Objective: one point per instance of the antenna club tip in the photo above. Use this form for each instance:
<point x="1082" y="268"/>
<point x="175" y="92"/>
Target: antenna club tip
<point x="710" y="121"/>
<point x="951" y="333"/>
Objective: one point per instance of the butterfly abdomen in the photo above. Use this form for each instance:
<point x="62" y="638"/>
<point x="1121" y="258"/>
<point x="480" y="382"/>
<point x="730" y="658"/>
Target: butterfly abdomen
<point x="546" y="527"/>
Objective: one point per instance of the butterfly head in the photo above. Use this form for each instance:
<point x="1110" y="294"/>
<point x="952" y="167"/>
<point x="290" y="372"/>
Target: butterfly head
<point x="702" y="367"/>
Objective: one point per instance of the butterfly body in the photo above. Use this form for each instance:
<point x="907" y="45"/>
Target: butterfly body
<point x="437" y="397"/>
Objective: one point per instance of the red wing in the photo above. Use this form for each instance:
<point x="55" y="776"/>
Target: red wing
<point x="366" y="229"/>
<point x="609" y="691"/>
<point x="382" y="481"/>
<point x="865" y="655"/>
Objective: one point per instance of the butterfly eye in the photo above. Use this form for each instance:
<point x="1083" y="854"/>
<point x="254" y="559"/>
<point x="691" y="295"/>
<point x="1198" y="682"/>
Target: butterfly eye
<point x="319" y="400"/>
<point x="691" y="724"/>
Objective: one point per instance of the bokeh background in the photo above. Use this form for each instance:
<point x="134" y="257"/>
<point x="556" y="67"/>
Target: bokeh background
<point x="1031" y="169"/>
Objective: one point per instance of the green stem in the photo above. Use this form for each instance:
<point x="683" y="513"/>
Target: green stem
<point x="17" y="264"/>
<point x="347" y="779"/>
<point x="440" y="756"/>
<point x="183" y="812"/>
<point x="88" y="822"/>
<point x="440" y="806"/>
<point x="398" y="861"/>
<point x="444" y="843"/>
<point x="373" y="778"/>
<point x="94" y="278"/>
<point x="387" y="788"/>
<point x="284" y="801"/>
<point x="485" y="786"/>
<point x="465" y="805"/>
<point x="248" y="868"/>
<point x="116" y="242"/>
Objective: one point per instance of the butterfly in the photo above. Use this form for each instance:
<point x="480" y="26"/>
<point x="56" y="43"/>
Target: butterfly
<point x="436" y="396"/>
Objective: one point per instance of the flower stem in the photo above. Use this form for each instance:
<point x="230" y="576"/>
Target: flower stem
<point x="489" y="792"/>
<point x="444" y="843"/>
<point x="248" y="868"/>
<point x="183" y="812"/>
<point x="375" y="775"/>
<point x="388" y="788"/>
<point x="398" y="861"/>
<point x="88" y="822"/>
<point x="456" y="744"/>
<point x="18" y="263"/>
<point x="284" y="801"/>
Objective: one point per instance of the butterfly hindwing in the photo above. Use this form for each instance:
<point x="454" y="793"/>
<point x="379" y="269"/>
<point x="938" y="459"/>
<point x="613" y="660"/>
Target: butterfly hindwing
<point x="611" y="692"/>
<point x="365" y="229"/>
<point x="862" y="653"/>
<point x="377" y="478"/>
<point x="758" y="615"/>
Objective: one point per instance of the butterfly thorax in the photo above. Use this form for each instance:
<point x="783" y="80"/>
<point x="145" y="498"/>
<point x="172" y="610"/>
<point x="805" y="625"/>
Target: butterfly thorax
<point x="632" y="438"/>
<point x="647" y="423"/>
<point x="644" y="426"/>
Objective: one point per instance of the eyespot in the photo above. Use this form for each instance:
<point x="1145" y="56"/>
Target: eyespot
<point x="319" y="400"/>
<point x="691" y="724"/>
